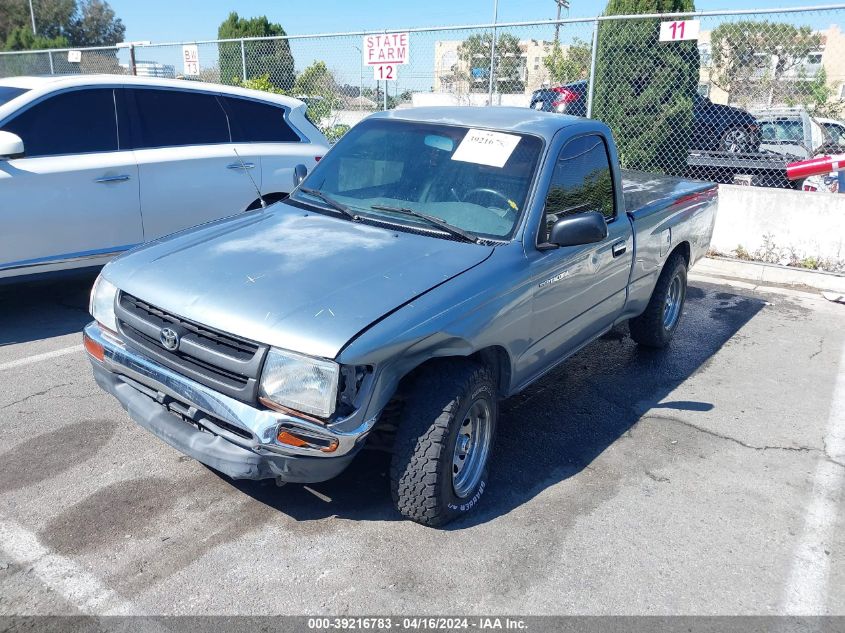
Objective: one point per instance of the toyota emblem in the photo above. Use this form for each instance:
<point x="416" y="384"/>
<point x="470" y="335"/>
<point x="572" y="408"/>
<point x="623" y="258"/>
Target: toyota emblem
<point x="169" y="338"/>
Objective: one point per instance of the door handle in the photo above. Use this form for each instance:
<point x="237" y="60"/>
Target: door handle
<point x="619" y="248"/>
<point x="240" y="166"/>
<point x="120" y="178"/>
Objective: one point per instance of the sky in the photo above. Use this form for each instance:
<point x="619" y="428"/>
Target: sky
<point x="178" y="20"/>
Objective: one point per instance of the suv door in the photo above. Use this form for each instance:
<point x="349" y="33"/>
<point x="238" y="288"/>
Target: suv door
<point x="189" y="171"/>
<point x="72" y="199"/>
<point x="262" y="130"/>
<point x="579" y="290"/>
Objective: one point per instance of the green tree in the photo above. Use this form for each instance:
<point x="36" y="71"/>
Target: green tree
<point x="644" y="88"/>
<point x="474" y="55"/>
<point x="317" y="87"/>
<point x="59" y="23"/>
<point x="270" y="57"/>
<point x="748" y="59"/>
<point x="95" y="24"/>
<point x="571" y="64"/>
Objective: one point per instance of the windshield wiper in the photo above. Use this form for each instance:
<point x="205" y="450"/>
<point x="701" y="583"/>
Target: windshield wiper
<point x="334" y="204"/>
<point x="440" y="224"/>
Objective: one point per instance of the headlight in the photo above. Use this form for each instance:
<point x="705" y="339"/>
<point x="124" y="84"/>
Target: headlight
<point x="300" y="382"/>
<point x="101" y="306"/>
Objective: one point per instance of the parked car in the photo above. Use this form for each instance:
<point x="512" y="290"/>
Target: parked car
<point x="435" y="261"/>
<point x="92" y="165"/>
<point x="792" y="132"/>
<point x="716" y="127"/>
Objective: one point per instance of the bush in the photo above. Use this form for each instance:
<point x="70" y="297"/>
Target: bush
<point x="644" y="87"/>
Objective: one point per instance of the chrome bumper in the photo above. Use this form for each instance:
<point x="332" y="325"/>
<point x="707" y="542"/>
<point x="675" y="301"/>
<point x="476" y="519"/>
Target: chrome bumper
<point x="162" y="387"/>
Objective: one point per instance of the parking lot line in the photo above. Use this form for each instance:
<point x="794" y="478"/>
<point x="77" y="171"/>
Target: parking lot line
<point x="806" y="589"/>
<point x="39" y="357"/>
<point x="60" y="574"/>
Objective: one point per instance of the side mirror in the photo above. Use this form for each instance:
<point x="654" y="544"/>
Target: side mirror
<point x="299" y="173"/>
<point x="11" y="145"/>
<point x="581" y="228"/>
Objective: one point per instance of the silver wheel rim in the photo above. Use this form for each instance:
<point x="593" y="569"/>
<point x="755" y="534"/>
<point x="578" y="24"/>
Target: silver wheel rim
<point x="472" y="447"/>
<point x="672" y="307"/>
<point x="735" y="141"/>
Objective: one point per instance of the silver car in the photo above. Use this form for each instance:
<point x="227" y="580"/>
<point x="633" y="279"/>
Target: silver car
<point x="434" y="262"/>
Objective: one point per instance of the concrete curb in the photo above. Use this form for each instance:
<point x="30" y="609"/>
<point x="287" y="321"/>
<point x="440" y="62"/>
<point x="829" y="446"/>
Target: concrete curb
<point x="763" y="274"/>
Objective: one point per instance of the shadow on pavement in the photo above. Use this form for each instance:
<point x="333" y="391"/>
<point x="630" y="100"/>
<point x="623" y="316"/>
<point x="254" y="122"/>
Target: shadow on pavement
<point x="554" y="429"/>
<point x="35" y="310"/>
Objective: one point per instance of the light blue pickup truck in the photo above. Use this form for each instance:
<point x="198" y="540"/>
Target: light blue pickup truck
<point x="436" y="261"/>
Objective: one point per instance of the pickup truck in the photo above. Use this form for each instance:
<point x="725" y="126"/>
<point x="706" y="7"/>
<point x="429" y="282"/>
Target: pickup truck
<point x="434" y="262"/>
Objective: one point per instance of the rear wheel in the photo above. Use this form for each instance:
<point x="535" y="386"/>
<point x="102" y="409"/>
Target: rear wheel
<point x="737" y="140"/>
<point x="443" y="443"/>
<point x="656" y="326"/>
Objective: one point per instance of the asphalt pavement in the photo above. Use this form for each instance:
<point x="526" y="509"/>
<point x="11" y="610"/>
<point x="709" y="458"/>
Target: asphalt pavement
<point x="703" y="479"/>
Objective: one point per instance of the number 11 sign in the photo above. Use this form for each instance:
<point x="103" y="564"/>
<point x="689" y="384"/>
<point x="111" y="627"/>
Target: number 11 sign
<point x="679" y="30"/>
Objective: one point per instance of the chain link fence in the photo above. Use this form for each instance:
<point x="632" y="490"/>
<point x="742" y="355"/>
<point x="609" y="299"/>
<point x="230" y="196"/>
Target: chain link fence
<point x="730" y="96"/>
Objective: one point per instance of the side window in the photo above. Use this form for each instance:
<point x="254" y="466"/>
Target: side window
<point x="582" y="181"/>
<point x="835" y="133"/>
<point x="255" y="122"/>
<point x="170" y="118"/>
<point x="74" y="122"/>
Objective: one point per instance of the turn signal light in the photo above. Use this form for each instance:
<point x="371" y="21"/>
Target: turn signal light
<point x="94" y="348"/>
<point x="285" y="436"/>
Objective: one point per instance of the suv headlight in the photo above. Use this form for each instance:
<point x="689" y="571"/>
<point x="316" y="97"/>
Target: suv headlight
<point x="299" y="382"/>
<point x="101" y="306"/>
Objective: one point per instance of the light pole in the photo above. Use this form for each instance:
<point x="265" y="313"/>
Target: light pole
<point x="32" y="15"/>
<point x="561" y="4"/>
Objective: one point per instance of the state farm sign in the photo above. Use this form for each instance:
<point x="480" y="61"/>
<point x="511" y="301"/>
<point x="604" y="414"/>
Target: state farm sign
<point x="390" y="48"/>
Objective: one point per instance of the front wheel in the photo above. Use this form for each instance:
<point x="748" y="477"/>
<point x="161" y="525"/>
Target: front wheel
<point x="439" y="467"/>
<point x="656" y="326"/>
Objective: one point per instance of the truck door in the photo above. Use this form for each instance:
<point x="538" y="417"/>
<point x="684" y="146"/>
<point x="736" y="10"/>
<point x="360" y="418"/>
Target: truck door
<point x="579" y="290"/>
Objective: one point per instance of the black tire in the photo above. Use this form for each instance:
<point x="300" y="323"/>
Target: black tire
<point x="421" y="469"/>
<point x="736" y="140"/>
<point x="650" y="328"/>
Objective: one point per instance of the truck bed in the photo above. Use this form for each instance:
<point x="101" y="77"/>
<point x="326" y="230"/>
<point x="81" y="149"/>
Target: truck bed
<point x="646" y="192"/>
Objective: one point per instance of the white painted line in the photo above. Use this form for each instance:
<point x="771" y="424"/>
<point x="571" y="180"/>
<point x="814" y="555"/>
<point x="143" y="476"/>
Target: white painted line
<point x="60" y="574"/>
<point x="39" y="357"/>
<point x="806" y="589"/>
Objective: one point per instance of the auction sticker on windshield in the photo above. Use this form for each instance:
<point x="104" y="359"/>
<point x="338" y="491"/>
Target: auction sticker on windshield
<point x="486" y="148"/>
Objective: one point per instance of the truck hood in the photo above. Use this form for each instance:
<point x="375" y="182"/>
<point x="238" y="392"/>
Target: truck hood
<point x="298" y="280"/>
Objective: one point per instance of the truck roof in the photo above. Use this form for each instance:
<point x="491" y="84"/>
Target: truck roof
<point x="512" y="119"/>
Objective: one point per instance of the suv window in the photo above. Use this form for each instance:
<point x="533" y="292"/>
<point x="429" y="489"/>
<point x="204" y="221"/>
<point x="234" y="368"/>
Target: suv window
<point x="582" y="181"/>
<point x="7" y="93"/>
<point x="255" y="122"/>
<point x="74" y="122"/>
<point x="170" y="118"/>
<point x="835" y="133"/>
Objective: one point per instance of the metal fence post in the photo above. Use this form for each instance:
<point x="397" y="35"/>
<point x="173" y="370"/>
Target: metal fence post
<point x="132" y="67"/>
<point x="592" y="85"/>
<point x="243" y="60"/>
<point x="492" y="53"/>
<point x="50" y="57"/>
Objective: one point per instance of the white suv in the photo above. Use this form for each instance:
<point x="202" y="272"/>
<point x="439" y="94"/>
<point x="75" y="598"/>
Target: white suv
<point x="91" y="165"/>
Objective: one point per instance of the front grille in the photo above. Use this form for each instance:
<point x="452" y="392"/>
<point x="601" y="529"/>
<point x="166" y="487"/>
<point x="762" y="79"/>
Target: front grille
<point x="226" y="363"/>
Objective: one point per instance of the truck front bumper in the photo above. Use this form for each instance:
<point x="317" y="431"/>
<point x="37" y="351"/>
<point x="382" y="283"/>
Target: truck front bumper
<point x="225" y="434"/>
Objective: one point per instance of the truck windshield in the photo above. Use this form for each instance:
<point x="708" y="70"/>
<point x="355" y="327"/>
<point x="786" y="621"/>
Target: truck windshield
<point x="473" y="179"/>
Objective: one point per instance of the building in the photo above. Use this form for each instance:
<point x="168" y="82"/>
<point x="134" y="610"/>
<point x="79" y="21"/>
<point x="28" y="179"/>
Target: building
<point x="526" y="73"/>
<point x="762" y="86"/>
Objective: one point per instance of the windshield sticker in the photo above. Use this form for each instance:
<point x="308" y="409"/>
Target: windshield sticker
<point x="486" y="148"/>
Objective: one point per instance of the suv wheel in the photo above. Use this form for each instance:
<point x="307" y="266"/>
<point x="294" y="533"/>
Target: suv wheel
<point x="736" y="140"/>
<point x="443" y="443"/>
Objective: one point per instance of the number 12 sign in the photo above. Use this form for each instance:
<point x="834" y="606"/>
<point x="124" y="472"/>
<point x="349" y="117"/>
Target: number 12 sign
<point x="386" y="72"/>
<point x="679" y="30"/>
